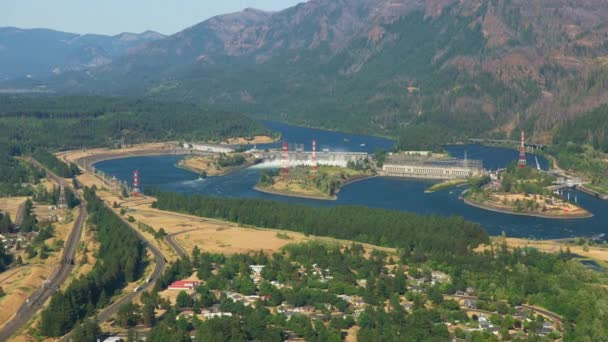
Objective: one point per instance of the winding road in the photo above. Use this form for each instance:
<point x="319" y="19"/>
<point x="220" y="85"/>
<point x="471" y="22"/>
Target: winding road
<point x="50" y="286"/>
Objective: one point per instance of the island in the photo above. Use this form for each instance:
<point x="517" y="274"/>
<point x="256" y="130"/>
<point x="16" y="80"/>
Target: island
<point x="523" y="191"/>
<point x="303" y="181"/>
<point x="217" y="164"/>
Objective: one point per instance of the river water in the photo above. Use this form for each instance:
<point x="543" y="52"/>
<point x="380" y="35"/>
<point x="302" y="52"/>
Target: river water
<point x="380" y="192"/>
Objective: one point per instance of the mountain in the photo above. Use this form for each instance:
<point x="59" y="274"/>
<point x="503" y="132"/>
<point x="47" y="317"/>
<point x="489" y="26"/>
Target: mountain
<point x="40" y="52"/>
<point x="430" y="71"/>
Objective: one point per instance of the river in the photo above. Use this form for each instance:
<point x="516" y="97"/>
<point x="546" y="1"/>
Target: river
<point x="380" y="192"/>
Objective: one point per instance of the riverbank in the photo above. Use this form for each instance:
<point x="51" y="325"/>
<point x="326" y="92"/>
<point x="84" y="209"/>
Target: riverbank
<point x="491" y="206"/>
<point x="445" y="185"/>
<point x="293" y="194"/>
<point x="208" y="165"/>
<point x="591" y="192"/>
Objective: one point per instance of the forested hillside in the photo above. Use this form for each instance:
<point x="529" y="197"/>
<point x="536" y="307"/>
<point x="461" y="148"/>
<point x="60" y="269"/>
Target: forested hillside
<point x="397" y="67"/>
<point x="88" y="121"/>
<point x="591" y="128"/>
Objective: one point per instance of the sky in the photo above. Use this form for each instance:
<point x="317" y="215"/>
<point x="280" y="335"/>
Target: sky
<point x="117" y="16"/>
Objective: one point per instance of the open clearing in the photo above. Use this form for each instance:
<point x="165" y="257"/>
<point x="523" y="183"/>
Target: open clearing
<point x="11" y="205"/>
<point x="211" y="235"/>
<point x="552" y="246"/>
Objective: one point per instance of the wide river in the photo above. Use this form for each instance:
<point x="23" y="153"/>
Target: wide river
<point x="381" y="192"/>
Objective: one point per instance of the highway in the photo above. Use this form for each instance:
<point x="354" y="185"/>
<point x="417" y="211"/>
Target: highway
<point x="160" y="264"/>
<point x="59" y="275"/>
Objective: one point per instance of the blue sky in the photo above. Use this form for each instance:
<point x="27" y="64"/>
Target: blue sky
<point x="116" y="16"/>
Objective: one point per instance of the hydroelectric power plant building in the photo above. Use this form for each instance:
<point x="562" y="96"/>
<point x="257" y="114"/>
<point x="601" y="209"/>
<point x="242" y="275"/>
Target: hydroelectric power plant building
<point x="399" y="165"/>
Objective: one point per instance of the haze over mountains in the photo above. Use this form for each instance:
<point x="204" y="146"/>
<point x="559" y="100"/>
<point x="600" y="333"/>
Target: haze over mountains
<point x="41" y="53"/>
<point x="458" y="67"/>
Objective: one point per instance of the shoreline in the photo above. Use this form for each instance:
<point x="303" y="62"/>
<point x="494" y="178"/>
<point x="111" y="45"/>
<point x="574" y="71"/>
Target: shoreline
<point x="348" y="181"/>
<point x="227" y="172"/>
<point x="275" y="192"/>
<point x="513" y="212"/>
<point x="593" y="193"/>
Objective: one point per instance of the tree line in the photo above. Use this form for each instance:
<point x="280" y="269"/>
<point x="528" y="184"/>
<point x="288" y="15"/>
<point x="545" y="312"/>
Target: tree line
<point x="120" y="260"/>
<point x="418" y="235"/>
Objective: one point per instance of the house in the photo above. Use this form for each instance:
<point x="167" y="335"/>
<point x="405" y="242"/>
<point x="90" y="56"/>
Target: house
<point x="470" y="303"/>
<point x="183" y="285"/>
<point x="210" y="315"/>
<point x="257" y="269"/>
<point x="546" y="329"/>
<point x="470" y="291"/>
<point x="439" y="277"/>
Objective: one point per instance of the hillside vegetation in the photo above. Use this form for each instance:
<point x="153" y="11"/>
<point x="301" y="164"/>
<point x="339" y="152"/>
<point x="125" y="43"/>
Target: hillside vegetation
<point x="91" y="121"/>
<point x="430" y="71"/>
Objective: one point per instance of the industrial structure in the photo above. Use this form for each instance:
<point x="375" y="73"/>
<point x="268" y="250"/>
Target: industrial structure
<point x="398" y="165"/>
<point x="284" y="160"/>
<point x="314" y="167"/>
<point x="294" y="155"/>
<point x="135" y="192"/>
<point x="522" y="151"/>
<point x="200" y="147"/>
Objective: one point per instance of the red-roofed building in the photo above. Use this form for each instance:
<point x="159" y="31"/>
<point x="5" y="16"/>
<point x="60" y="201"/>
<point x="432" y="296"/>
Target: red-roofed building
<point x="183" y="285"/>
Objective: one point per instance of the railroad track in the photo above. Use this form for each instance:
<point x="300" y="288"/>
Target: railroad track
<point x="57" y="278"/>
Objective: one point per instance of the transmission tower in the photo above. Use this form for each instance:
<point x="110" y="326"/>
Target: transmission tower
<point x="135" y="183"/>
<point x="63" y="203"/>
<point x="522" y="151"/>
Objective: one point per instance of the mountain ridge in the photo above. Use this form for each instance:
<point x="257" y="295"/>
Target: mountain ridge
<point x="40" y="52"/>
<point x="466" y="67"/>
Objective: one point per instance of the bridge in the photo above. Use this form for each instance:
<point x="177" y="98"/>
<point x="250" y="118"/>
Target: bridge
<point x="529" y="146"/>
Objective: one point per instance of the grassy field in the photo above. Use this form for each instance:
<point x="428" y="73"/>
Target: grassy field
<point x="19" y="283"/>
<point x="11" y="205"/>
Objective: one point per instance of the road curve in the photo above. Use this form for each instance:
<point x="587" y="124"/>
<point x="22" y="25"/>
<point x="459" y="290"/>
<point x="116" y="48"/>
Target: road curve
<point x="159" y="268"/>
<point x="179" y="250"/>
<point x="49" y="287"/>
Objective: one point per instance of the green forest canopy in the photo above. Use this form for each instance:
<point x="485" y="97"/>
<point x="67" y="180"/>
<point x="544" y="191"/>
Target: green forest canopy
<point x="443" y="237"/>
<point x="75" y="121"/>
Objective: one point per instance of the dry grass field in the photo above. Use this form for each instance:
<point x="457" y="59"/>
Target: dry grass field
<point x="19" y="283"/>
<point x="11" y="205"/>
<point x="551" y="246"/>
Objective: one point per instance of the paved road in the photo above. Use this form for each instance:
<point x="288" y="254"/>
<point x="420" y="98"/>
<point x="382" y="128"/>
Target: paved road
<point x="49" y="287"/>
<point x="159" y="268"/>
<point x="179" y="250"/>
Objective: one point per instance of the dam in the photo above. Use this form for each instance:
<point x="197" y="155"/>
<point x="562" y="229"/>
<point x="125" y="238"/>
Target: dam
<point x="398" y="165"/>
<point x="296" y="158"/>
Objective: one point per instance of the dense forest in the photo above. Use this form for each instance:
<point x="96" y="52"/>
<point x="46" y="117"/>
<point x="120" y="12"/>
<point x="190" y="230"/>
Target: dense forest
<point x="591" y="128"/>
<point x="120" y="260"/>
<point x="442" y="237"/>
<point x="581" y="145"/>
<point x="77" y="121"/>
<point x="15" y="173"/>
<point x="58" y="167"/>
